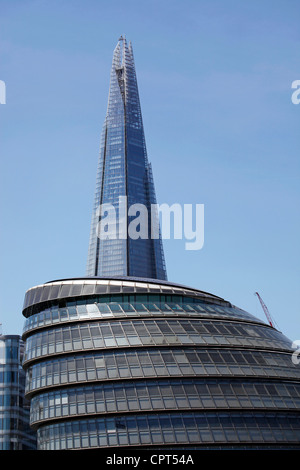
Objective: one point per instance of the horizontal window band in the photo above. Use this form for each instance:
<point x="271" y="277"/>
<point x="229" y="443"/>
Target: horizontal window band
<point x="179" y="362"/>
<point x="168" y="395"/>
<point x="187" y="428"/>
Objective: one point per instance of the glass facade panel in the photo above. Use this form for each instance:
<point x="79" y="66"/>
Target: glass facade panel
<point x="194" y="394"/>
<point x="114" y="364"/>
<point x="143" y="332"/>
<point x="176" y="428"/>
<point x="93" y="307"/>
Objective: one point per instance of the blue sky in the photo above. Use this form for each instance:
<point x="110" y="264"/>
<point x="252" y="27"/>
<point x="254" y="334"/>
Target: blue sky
<point x="221" y="130"/>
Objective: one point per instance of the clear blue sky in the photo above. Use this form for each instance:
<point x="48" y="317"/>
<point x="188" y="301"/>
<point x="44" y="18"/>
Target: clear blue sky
<point x="221" y="130"/>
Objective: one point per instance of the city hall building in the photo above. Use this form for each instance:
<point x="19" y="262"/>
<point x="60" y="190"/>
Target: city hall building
<point x="137" y="362"/>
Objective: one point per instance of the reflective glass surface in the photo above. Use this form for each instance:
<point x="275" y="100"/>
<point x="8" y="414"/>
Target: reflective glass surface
<point x="15" y="433"/>
<point x="124" y="171"/>
<point x="176" y="429"/>
<point x="159" y="362"/>
<point x="183" y="394"/>
<point x="129" y="333"/>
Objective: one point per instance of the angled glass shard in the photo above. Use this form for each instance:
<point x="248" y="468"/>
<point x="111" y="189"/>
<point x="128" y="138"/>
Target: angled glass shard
<point x="121" y="240"/>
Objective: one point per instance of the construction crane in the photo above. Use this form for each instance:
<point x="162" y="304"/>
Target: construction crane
<point x="265" y="309"/>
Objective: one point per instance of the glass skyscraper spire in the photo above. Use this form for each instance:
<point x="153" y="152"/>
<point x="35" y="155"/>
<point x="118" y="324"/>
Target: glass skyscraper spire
<point x="124" y="180"/>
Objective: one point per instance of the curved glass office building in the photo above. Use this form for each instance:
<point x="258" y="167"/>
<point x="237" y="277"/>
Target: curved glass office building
<point x="127" y="362"/>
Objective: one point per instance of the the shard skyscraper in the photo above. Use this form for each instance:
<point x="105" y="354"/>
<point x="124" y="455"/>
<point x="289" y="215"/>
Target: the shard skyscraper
<point x="124" y="179"/>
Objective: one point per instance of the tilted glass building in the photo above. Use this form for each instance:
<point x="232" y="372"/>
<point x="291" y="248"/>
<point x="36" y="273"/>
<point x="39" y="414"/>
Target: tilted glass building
<point x="123" y="358"/>
<point x="15" y="432"/>
<point x="124" y="178"/>
<point x="135" y="362"/>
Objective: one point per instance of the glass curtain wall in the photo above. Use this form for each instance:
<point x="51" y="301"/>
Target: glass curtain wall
<point x="123" y="172"/>
<point x="15" y="433"/>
